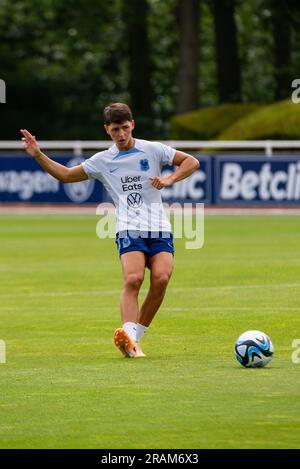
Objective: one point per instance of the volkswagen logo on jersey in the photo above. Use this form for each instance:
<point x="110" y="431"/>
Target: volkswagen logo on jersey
<point x="79" y="192"/>
<point x="144" y="165"/>
<point x="134" y="200"/>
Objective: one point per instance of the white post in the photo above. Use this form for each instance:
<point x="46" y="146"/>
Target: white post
<point x="268" y="148"/>
<point x="77" y="148"/>
<point x="2" y="92"/>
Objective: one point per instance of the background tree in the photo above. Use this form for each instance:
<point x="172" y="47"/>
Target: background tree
<point x="62" y="64"/>
<point x="228" y="65"/>
<point x="255" y="40"/>
<point x="281" y="29"/>
<point x="188" y="20"/>
<point x="62" y="61"/>
<point x="163" y="37"/>
<point x="285" y="15"/>
<point x="137" y="49"/>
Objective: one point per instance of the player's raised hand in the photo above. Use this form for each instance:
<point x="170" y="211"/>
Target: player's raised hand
<point x="30" y="143"/>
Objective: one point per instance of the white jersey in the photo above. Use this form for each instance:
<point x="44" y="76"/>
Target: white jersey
<point x="125" y="175"/>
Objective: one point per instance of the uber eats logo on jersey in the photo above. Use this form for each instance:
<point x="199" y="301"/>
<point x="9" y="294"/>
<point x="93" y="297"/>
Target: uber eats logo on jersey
<point x="129" y="183"/>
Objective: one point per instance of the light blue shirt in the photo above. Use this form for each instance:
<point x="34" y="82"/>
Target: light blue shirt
<point x="125" y="175"/>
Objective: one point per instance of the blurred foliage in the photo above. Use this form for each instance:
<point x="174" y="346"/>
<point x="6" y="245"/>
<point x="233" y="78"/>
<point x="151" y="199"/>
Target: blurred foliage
<point x="208" y="122"/>
<point x="64" y="60"/>
<point x="62" y="63"/>
<point x="276" y="121"/>
<point x="208" y="70"/>
<point x="164" y="46"/>
<point x="255" y="48"/>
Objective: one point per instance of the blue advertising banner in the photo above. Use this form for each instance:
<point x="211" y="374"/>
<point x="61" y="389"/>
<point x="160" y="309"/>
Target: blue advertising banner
<point x="256" y="180"/>
<point x="23" y="180"/>
<point x="195" y="189"/>
<point x="221" y="179"/>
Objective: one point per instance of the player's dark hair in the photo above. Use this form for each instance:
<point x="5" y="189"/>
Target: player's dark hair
<point x="117" y="113"/>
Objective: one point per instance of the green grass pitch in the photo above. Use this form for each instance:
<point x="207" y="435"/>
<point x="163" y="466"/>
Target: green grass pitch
<point x="65" y="385"/>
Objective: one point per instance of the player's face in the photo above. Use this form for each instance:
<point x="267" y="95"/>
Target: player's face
<point x="121" y="134"/>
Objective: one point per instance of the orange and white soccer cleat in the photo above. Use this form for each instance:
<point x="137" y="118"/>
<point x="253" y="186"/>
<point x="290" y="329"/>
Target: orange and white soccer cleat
<point x="126" y="345"/>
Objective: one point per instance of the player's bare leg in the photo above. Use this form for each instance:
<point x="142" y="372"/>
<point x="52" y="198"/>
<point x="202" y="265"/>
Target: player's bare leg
<point x="161" y="266"/>
<point x="133" y="266"/>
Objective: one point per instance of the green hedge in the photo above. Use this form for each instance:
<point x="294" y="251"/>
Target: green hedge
<point x="278" y="121"/>
<point x="208" y="123"/>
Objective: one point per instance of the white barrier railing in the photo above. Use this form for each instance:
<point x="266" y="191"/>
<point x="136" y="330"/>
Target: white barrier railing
<point x="77" y="146"/>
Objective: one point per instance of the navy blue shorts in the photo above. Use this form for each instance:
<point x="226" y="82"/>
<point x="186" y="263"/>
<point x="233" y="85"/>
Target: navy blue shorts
<point x="146" y="242"/>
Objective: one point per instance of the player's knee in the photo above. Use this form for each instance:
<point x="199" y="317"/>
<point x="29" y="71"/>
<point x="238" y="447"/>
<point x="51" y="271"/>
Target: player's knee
<point x="134" y="281"/>
<point x="160" y="281"/>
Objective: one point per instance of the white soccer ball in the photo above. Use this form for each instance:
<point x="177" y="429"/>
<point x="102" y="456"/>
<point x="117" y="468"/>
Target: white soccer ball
<point x="253" y="349"/>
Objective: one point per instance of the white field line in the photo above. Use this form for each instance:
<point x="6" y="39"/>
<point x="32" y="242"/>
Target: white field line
<point x="230" y="308"/>
<point x="73" y="209"/>
<point x="200" y="308"/>
<point x="103" y="292"/>
<point x="191" y="308"/>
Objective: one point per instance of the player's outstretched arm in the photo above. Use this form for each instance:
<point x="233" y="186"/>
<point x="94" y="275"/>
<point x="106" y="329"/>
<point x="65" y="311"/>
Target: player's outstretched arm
<point x="57" y="170"/>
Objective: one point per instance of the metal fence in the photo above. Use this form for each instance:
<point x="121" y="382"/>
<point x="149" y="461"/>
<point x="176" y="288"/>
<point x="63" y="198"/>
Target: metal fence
<point x="78" y="146"/>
